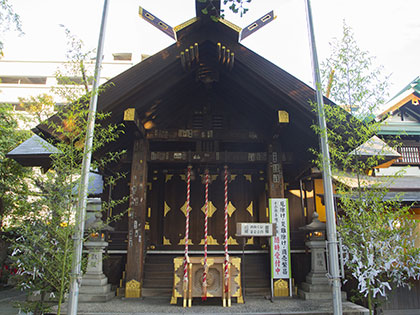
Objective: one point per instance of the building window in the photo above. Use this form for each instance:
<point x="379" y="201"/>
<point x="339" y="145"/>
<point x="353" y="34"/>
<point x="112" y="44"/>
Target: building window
<point x="22" y="80"/>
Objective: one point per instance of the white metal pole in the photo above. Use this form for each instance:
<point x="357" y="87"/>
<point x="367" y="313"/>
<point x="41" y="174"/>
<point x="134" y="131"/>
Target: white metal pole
<point x="326" y="173"/>
<point x="76" y="275"/>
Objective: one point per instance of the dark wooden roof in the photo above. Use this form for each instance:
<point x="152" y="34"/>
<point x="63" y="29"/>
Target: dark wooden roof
<point x="159" y="81"/>
<point x="160" y="89"/>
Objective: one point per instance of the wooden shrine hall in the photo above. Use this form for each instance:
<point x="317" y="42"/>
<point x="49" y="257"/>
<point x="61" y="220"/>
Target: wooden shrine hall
<point x="212" y="131"/>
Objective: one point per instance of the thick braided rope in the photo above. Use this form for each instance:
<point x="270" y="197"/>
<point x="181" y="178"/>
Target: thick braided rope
<point x="187" y="225"/>
<point x="205" y="234"/>
<point x="226" y="231"/>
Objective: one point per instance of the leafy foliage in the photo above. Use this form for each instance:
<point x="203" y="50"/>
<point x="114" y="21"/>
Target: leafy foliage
<point x="376" y="228"/>
<point x="13" y="176"/>
<point x="9" y="20"/>
<point x="236" y="6"/>
<point x="40" y="107"/>
<point x="357" y="84"/>
<point x="43" y="252"/>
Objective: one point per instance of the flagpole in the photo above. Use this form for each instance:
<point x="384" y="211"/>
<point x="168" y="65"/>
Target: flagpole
<point x="326" y="173"/>
<point x="76" y="276"/>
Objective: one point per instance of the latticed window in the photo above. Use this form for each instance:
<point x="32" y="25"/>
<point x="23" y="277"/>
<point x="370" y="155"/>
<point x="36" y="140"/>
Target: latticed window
<point x="409" y="155"/>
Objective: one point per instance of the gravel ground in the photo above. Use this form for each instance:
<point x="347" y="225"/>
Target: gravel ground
<point x="158" y="305"/>
<point x="253" y="305"/>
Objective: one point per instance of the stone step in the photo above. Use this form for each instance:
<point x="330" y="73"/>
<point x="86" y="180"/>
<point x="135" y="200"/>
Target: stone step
<point x="95" y="289"/>
<point x="319" y="295"/>
<point x="315" y="287"/>
<point x="150" y="292"/>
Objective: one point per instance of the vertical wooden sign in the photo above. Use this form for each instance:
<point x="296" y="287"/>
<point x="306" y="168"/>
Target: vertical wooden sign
<point x="280" y="243"/>
<point x="136" y="219"/>
<point x="275" y="172"/>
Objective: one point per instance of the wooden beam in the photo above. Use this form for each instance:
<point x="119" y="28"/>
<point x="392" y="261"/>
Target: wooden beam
<point x="198" y="134"/>
<point x="137" y="220"/>
<point x="275" y="178"/>
<point x="132" y="122"/>
<point x="208" y="157"/>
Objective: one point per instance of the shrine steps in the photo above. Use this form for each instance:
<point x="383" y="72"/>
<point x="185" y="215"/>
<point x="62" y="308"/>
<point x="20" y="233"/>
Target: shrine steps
<point x="158" y="275"/>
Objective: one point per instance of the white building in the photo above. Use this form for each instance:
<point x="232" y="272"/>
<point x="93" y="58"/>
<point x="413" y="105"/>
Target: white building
<point x="25" y="78"/>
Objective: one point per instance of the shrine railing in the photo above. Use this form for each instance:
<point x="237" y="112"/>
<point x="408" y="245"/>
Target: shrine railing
<point x="410" y="155"/>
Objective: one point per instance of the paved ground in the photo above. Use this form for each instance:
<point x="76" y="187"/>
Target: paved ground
<point x="253" y="305"/>
<point x="7" y="299"/>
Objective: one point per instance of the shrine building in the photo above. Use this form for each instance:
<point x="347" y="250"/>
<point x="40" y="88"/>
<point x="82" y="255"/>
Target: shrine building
<point x="200" y="107"/>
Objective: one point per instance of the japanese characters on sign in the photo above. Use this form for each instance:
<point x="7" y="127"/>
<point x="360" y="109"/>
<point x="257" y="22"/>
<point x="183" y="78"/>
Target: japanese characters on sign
<point x="280" y="243"/>
<point x="254" y="229"/>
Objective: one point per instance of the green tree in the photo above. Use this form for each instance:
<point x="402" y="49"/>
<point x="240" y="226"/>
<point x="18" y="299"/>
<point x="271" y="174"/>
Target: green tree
<point x="43" y="251"/>
<point x="13" y="176"/>
<point x="236" y="6"/>
<point x="40" y="106"/>
<point x="357" y="84"/>
<point x="377" y="229"/>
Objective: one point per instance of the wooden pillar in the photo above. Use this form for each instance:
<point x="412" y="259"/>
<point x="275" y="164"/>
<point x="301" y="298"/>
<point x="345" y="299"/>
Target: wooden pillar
<point x="275" y="171"/>
<point x="137" y="220"/>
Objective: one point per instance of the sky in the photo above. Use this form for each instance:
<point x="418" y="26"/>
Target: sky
<point x="388" y="29"/>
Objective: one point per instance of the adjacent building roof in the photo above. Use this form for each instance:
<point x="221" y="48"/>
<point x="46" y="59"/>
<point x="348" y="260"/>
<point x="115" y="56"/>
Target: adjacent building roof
<point x="375" y="146"/>
<point x="34" y="152"/>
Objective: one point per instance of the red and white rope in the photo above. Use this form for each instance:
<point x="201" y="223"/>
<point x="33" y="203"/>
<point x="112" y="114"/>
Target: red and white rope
<point x="226" y="230"/>
<point x="205" y="235"/>
<point x="187" y="225"/>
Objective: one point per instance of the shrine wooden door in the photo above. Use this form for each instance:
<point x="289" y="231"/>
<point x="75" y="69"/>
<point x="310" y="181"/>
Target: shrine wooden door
<point x="246" y="203"/>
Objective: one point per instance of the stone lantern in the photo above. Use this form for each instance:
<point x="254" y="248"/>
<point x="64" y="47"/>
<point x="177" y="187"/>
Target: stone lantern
<point x="316" y="286"/>
<point x="95" y="286"/>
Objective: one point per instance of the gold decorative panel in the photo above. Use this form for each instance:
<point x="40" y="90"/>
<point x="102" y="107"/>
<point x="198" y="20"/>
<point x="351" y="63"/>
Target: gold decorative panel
<point x="166" y="209"/>
<point x="215" y="278"/>
<point x="210" y="241"/>
<point x="283" y="116"/>
<point x="232" y="241"/>
<point x="168" y="177"/>
<point x="211" y="209"/>
<point x="281" y="288"/>
<point x="250" y="241"/>
<point x="129" y="114"/>
<point x="248" y="177"/>
<point x="182" y="241"/>
<point x="232" y="177"/>
<point x="184" y="208"/>
<point x="183" y="177"/>
<point x="132" y="289"/>
<point x="166" y="241"/>
<point x="250" y="209"/>
<point x="231" y="208"/>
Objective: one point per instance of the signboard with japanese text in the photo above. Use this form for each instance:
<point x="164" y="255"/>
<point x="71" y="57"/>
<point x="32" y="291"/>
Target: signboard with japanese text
<point x="255" y="229"/>
<point x="280" y="243"/>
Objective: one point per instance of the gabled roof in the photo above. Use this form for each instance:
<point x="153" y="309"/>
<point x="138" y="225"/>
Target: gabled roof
<point x="154" y="85"/>
<point x="376" y="147"/>
<point x="410" y="94"/>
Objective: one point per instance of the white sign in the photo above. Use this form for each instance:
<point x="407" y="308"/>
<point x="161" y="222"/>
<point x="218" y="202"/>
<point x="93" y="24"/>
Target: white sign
<point x="254" y="229"/>
<point x="280" y="243"/>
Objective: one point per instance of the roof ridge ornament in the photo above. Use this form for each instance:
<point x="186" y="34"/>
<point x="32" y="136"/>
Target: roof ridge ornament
<point x="158" y="23"/>
<point x="256" y="25"/>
